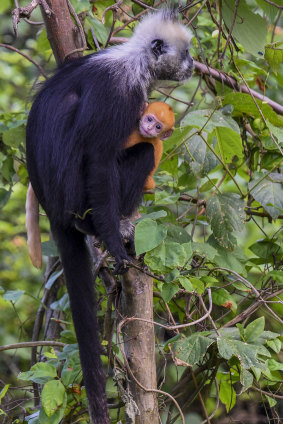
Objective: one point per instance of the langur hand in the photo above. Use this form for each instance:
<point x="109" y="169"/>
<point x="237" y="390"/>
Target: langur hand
<point x="122" y="266"/>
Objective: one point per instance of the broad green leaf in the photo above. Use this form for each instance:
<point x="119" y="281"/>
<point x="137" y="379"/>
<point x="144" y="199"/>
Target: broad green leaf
<point x="249" y="28"/>
<point x="52" y="396"/>
<point x="274" y="54"/>
<point x="225" y="258"/>
<point x="268" y="193"/>
<point x="153" y="215"/>
<point x="246" y="378"/>
<point x="272" y="402"/>
<point x="277" y="132"/>
<point x="172" y="276"/>
<point x="274" y="365"/>
<point x="178" y="234"/>
<point x="271" y="11"/>
<point x="266" y="249"/>
<point x="222" y="297"/>
<point x="275" y="345"/>
<point x="204" y="250"/>
<point x="148" y="235"/>
<point x="165" y="198"/>
<point x="43" y="44"/>
<point x="168" y="291"/>
<point x="209" y="119"/>
<point x="225" y="213"/>
<point x="254" y="330"/>
<point x="14" y="137"/>
<point x="62" y="304"/>
<point x="201" y="159"/>
<point x="186" y="284"/>
<point x="81" y="6"/>
<point x="244" y="104"/>
<point x="13" y="295"/>
<point x="229" y="144"/>
<point x="178" y="137"/>
<point x="72" y="372"/>
<point x="227" y="394"/>
<point x="99" y="29"/>
<point x="246" y="353"/>
<point x="197" y="284"/>
<point x="57" y="416"/>
<point x="39" y="373"/>
<point x="192" y="349"/>
<point x="168" y="255"/>
<point x="4" y="197"/>
<point x="52" y="278"/>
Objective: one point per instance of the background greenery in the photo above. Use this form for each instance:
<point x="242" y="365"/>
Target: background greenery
<point x="211" y="227"/>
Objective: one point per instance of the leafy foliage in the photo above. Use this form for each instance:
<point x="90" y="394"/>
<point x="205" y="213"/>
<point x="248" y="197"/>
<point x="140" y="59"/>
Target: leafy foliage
<point x="210" y="234"/>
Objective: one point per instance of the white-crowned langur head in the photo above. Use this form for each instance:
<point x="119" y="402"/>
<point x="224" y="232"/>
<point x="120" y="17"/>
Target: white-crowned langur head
<point x="165" y="42"/>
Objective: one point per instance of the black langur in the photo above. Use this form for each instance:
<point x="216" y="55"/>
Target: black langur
<point x="77" y="127"/>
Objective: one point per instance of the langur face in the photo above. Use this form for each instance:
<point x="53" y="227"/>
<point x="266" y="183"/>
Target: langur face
<point x="150" y="126"/>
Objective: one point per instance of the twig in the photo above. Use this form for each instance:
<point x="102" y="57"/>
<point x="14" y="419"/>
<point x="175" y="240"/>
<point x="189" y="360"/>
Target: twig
<point x="274" y="4"/>
<point x="25" y="12"/>
<point x="267" y="393"/>
<point x="31" y="344"/>
<point x="28" y="20"/>
<point x="41" y="70"/>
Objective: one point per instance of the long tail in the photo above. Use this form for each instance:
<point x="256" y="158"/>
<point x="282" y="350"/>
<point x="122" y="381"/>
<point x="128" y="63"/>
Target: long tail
<point x="33" y="230"/>
<point x="77" y="267"/>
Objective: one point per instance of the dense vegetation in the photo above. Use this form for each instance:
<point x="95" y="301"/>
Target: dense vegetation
<point x="210" y="234"/>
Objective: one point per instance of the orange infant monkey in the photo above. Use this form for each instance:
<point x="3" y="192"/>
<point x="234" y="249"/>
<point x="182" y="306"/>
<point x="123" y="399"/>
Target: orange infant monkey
<point x="156" y="124"/>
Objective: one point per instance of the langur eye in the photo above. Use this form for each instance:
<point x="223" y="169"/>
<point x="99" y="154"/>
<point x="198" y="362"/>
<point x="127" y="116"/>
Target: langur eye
<point x="158" y="127"/>
<point x="149" y="118"/>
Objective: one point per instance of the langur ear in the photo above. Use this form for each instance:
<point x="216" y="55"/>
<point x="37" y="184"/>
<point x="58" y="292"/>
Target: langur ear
<point x="167" y="134"/>
<point x="157" y="47"/>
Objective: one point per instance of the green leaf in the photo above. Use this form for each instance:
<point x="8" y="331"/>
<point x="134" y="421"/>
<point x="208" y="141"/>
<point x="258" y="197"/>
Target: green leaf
<point x="227" y="394"/>
<point x="148" y="235"/>
<point x="13" y="295"/>
<point x="197" y="284"/>
<point x="4" y="197"/>
<point x="168" y="255"/>
<point x="204" y="250"/>
<point x="62" y="304"/>
<point x="165" y="198"/>
<point x="274" y="365"/>
<point x="39" y="373"/>
<point x="209" y="119"/>
<point x="168" y="291"/>
<point x="72" y="372"/>
<point x="247" y="354"/>
<point x="222" y="297"/>
<point x="274" y="55"/>
<point x="266" y="249"/>
<point x="244" y="104"/>
<point x="249" y="28"/>
<point x="57" y="416"/>
<point x="153" y="215"/>
<point x="14" y="137"/>
<point x="4" y="391"/>
<point x="192" y="349"/>
<point x="268" y="193"/>
<point x="272" y="402"/>
<point x="100" y="31"/>
<point x="246" y="378"/>
<point x="229" y="144"/>
<point x="275" y="345"/>
<point x="52" y="278"/>
<point x="225" y="213"/>
<point x="186" y="284"/>
<point x="254" y="330"/>
<point x="201" y="159"/>
<point x="52" y="396"/>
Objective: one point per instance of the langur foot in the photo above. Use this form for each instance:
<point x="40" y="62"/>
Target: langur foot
<point x="121" y="266"/>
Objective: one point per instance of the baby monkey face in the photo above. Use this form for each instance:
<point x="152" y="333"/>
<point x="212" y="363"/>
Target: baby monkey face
<point x="150" y="126"/>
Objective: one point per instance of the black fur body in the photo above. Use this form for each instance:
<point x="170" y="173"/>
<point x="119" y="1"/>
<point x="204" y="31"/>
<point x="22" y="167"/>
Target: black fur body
<point x="76" y="130"/>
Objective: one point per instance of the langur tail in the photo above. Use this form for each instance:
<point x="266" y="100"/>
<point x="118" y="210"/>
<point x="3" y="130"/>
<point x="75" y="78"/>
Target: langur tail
<point x="80" y="284"/>
<point x="33" y="230"/>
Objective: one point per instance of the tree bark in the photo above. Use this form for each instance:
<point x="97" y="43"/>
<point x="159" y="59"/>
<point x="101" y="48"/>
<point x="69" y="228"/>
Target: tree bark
<point x="63" y="35"/>
<point x="137" y="301"/>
